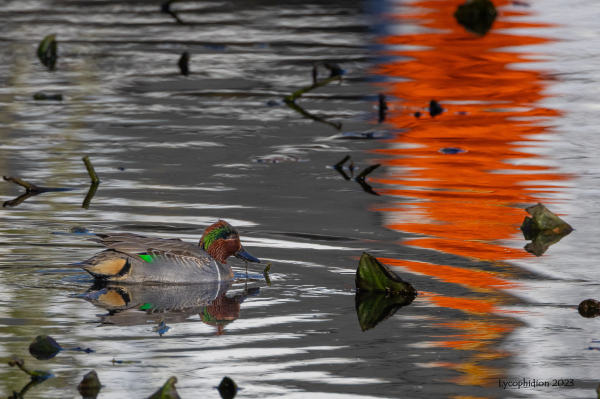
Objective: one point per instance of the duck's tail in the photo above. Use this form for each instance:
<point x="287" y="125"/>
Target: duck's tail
<point x="106" y="265"/>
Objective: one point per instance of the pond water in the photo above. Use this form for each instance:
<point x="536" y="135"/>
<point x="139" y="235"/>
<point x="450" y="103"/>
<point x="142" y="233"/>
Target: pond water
<point x="176" y="153"/>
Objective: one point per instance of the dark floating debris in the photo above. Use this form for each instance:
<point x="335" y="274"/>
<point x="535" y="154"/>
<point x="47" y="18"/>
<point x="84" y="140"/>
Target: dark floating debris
<point x="476" y="16"/>
<point x="168" y="390"/>
<point x="90" y="169"/>
<point x="435" y="108"/>
<point x="334" y="69"/>
<point x="542" y="220"/>
<point x="274" y="103"/>
<point x="315" y="74"/>
<point x="383" y="108"/>
<point x="95" y="182"/>
<point x="379" y="292"/>
<point x="417" y="114"/>
<point x="30" y="191"/>
<point x="374" y="276"/>
<point x="302" y="111"/>
<point x="47" y="97"/>
<point x="589" y="308"/>
<point x="166" y="8"/>
<point x="44" y="347"/>
<point x="266" y="273"/>
<point x="184" y="63"/>
<point x="360" y="179"/>
<point x="227" y="388"/>
<point x="451" y="150"/>
<point x="35" y="375"/>
<point x="544" y="229"/>
<point x="47" y="52"/>
<point x="90" y="386"/>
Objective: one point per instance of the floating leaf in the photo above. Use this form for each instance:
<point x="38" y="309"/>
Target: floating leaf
<point x="373" y="308"/>
<point x="589" y="308"/>
<point x="168" y="390"/>
<point x="476" y="16"/>
<point x="47" y="51"/>
<point x="542" y="220"/>
<point x="228" y="388"/>
<point x="44" y="347"/>
<point x="184" y="63"/>
<point x="374" y="276"/>
<point x="49" y="97"/>
<point x="89" y="386"/>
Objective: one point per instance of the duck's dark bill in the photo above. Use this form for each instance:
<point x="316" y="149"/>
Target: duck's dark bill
<point x="246" y="256"/>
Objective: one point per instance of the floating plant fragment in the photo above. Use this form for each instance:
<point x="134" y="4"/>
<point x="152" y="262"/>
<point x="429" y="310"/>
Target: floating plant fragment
<point x="168" y="390"/>
<point x="227" y="388"/>
<point x="383" y="108"/>
<point x="89" y="386"/>
<point x="35" y="375"/>
<point x="47" y="97"/>
<point x="47" y="51"/>
<point x="266" y="273"/>
<point x="589" y="308"/>
<point x="44" y="347"/>
<point x="543" y="221"/>
<point x="435" y="108"/>
<point x="374" y="276"/>
<point x="184" y="63"/>
<point x="451" y="150"/>
<point x="476" y="16"/>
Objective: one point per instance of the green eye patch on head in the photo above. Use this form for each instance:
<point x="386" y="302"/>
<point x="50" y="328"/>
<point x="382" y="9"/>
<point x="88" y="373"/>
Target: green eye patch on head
<point x="220" y="233"/>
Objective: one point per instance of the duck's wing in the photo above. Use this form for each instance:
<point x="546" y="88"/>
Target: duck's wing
<point x="133" y="244"/>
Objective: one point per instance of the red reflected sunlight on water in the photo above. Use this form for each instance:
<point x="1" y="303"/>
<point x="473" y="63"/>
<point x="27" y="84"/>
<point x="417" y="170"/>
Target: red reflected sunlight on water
<point x="467" y="203"/>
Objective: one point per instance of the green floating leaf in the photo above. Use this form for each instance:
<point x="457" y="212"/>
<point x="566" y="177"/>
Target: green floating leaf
<point x="228" y="388"/>
<point x="44" y="347"/>
<point x="542" y="220"/>
<point x="89" y="386"/>
<point x="589" y="308"/>
<point x="372" y="307"/>
<point x="168" y="390"/>
<point x="476" y="16"/>
<point x="47" y="51"/>
<point x="374" y="276"/>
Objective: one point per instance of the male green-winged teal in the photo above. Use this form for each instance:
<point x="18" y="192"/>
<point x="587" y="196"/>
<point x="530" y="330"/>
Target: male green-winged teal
<point x="131" y="258"/>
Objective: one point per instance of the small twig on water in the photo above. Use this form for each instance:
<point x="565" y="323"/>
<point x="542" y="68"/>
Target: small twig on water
<point x="90" y="169"/>
<point x="31" y="188"/>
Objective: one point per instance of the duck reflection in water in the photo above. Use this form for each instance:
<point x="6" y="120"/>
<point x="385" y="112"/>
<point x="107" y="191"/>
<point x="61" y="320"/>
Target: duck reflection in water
<point x="161" y="305"/>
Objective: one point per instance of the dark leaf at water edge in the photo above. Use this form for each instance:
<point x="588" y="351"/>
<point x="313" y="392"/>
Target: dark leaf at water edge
<point x="476" y="16"/>
<point x="47" y="97"/>
<point x="167" y="391"/>
<point x="184" y="63"/>
<point x="373" y="307"/>
<point x="227" y="388"/>
<point x="44" y="347"/>
<point x="89" y="385"/>
<point x="542" y="220"/>
<point x="435" y="108"/>
<point x="47" y="51"/>
<point x="374" y="276"/>
<point x="589" y="308"/>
